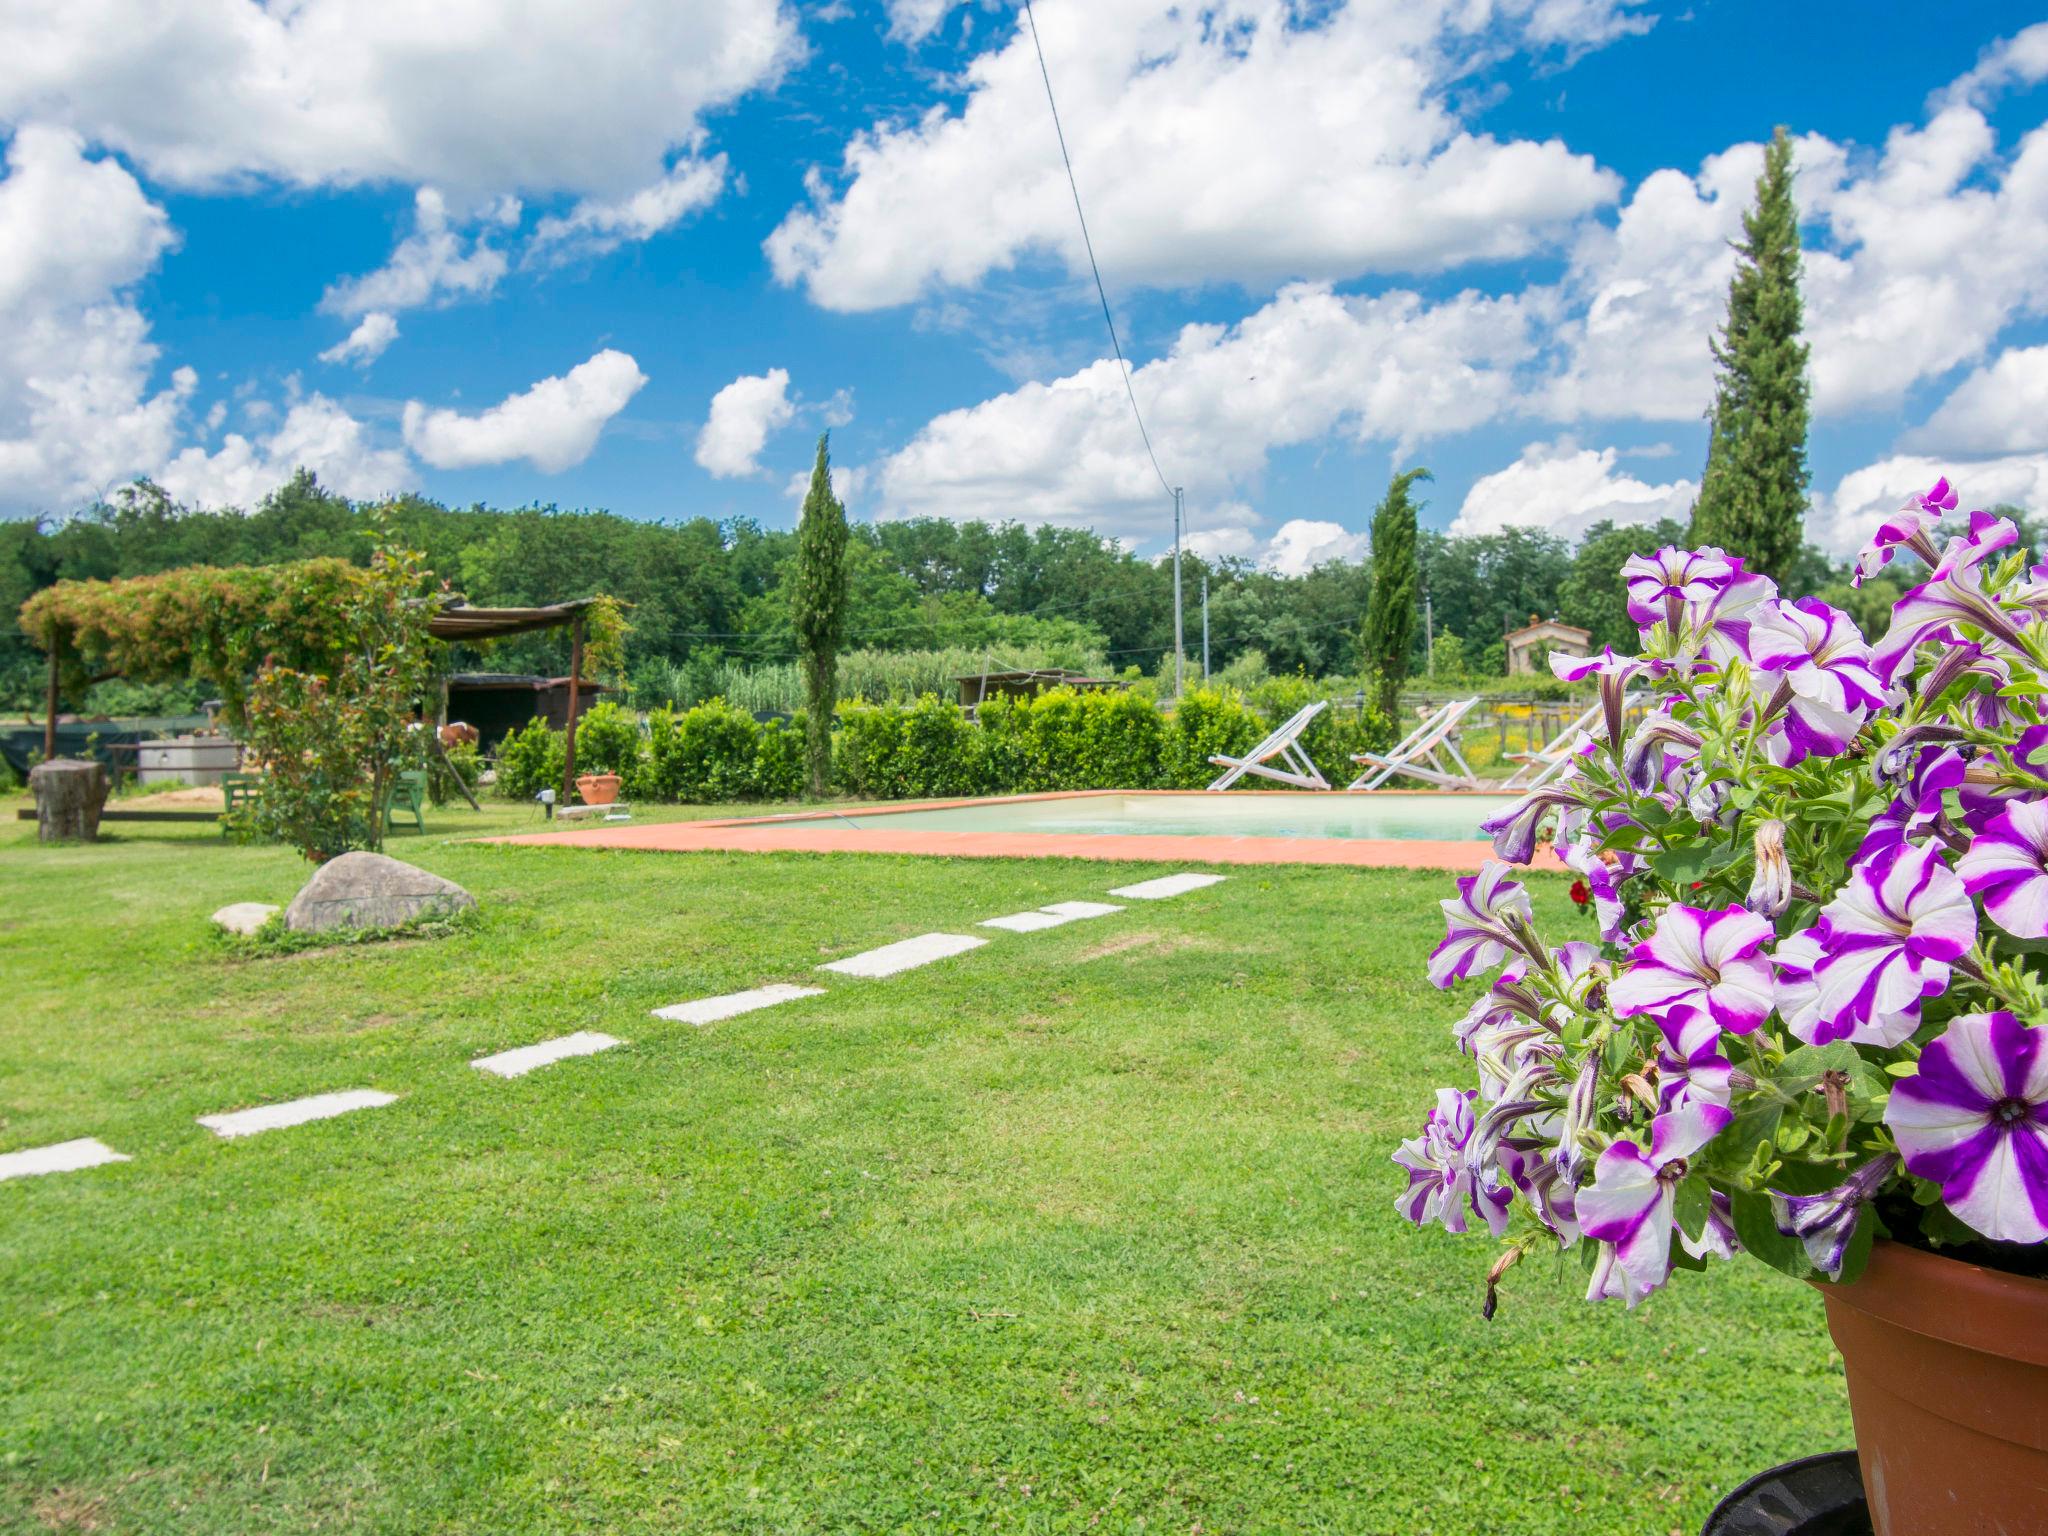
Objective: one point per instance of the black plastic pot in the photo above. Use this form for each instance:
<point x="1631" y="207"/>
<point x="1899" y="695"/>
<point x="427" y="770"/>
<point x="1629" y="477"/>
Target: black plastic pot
<point x="1814" y="1496"/>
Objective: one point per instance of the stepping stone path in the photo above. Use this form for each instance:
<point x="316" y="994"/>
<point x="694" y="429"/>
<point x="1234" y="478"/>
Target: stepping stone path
<point x="905" y="954"/>
<point x="244" y="917"/>
<point x="519" y="1062"/>
<point x="380" y="892"/>
<point x="1165" y="886"/>
<point x="63" y="1157"/>
<point x="272" y="1117"/>
<point x="1049" y="917"/>
<point x="709" y="1010"/>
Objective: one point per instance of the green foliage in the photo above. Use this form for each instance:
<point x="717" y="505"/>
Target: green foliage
<point x="1208" y="722"/>
<point x="1390" y="619"/>
<point x="779" y="761"/>
<point x="216" y="626"/>
<point x="331" y="741"/>
<point x="705" y="754"/>
<point x="817" y="609"/>
<point x="607" y="739"/>
<point x="530" y="760"/>
<point x="1753" y="494"/>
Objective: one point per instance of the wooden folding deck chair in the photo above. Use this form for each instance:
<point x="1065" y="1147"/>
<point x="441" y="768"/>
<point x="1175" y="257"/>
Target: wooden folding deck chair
<point x="1541" y="766"/>
<point x="1416" y="754"/>
<point x="1285" y="744"/>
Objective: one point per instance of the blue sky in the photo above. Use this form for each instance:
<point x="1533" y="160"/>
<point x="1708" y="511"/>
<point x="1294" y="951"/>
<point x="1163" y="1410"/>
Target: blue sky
<point x="1485" y="235"/>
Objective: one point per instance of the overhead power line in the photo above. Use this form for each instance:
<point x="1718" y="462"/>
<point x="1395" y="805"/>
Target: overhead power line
<point x="1123" y="365"/>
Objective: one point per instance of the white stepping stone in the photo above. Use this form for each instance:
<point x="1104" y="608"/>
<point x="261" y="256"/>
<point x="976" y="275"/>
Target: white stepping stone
<point x="62" y="1157"/>
<point x="1024" y="922"/>
<point x="905" y="954"/>
<point x="709" y="1010"/>
<point x="1049" y="916"/>
<point x="519" y="1062"/>
<point x="274" y="1117"/>
<point x="244" y="917"/>
<point x="1076" y="909"/>
<point x="1165" y="886"/>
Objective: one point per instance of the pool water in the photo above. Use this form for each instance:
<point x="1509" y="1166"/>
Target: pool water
<point x="1372" y="817"/>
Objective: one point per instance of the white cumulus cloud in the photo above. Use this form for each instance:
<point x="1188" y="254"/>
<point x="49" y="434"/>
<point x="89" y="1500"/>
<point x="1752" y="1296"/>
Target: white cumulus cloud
<point x="742" y="415"/>
<point x="1309" y="364"/>
<point x="1268" y="146"/>
<point x="1564" y="489"/>
<point x="78" y="412"/>
<point x="434" y="264"/>
<point x="596" y="225"/>
<point x="588" y="99"/>
<point x="316" y="434"/>
<point x="1302" y="544"/>
<point x="552" y="425"/>
<point x="2000" y="409"/>
<point x="366" y="343"/>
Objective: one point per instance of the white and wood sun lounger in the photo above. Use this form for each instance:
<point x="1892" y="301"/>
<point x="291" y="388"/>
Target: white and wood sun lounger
<point x="1416" y="754"/>
<point x="1540" y="767"/>
<point x="1285" y="744"/>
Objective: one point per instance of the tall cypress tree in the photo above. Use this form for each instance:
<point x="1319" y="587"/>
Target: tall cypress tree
<point x="817" y="594"/>
<point x="1389" y="637"/>
<point x="1753" y="495"/>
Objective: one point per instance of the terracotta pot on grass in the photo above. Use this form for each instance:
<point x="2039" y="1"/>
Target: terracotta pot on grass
<point x="598" y="788"/>
<point x="1948" y="1384"/>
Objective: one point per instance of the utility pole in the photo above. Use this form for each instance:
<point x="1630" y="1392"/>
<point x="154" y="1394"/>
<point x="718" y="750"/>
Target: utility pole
<point x="1180" y="655"/>
<point x="1428" y="637"/>
<point x="1205" y="623"/>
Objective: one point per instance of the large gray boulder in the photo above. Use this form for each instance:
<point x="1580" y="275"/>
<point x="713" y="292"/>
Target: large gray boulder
<point x="368" y="890"/>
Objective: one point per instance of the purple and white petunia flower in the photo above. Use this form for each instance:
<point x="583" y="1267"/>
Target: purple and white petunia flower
<point x="2007" y="866"/>
<point x="1932" y="610"/>
<point x="1910" y="527"/>
<point x="1814" y="653"/>
<point x="1726" y="622"/>
<point x="1826" y="1223"/>
<point x="1662" y="586"/>
<point x="1440" y="1187"/>
<point x="1717" y="1233"/>
<point x="1974" y="1119"/>
<point x="1630" y="1207"/>
<point x="1488" y="917"/>
<point x="1886" y="941"/>
<point x="1690" y="1066"/>
<point x="1988" y="534"/>
<point x="1705" y="961"/>
<point x="1603" y="883"/>
<point x="1531" y="1169"/>
<point x="1514" y="831"/>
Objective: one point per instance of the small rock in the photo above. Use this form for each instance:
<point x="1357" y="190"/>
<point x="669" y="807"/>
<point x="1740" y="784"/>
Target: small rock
<point x="369" y="890"/>
<point x="244" y="917"/>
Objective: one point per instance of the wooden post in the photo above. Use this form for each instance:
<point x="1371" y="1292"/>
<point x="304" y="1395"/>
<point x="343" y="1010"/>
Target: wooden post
<point x="575" y="679"/>
<point x="50" y="703"/>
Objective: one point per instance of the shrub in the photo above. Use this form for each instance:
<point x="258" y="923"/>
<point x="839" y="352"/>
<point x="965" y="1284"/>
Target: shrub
<point x="608" y="740"/>
<point x="530" y="760"/>
<point x="1209" y="721"/>
<point x="779" y="760"/>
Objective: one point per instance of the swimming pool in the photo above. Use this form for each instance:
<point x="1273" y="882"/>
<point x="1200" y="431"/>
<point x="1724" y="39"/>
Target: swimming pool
<point x="1383" y="829"/>
<point x="1375" y="817"/>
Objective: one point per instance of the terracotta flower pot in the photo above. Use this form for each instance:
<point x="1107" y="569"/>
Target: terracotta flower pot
<point x="1948" y="1384"/>
<point x="598" y="788"/>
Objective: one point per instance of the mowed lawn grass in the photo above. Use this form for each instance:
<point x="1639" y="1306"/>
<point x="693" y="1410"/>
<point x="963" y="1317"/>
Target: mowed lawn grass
<point x="1088" y="1230"/>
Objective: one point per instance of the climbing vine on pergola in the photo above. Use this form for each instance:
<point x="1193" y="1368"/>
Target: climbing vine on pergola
<point x="214" y="624"/>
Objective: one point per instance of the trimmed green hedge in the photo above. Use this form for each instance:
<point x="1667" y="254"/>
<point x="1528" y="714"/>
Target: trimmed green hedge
<point x="929" y="750"/>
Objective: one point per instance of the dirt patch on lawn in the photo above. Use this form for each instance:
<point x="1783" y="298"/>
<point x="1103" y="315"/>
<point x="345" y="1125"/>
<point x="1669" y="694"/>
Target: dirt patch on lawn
<point x="71" y="1509"/>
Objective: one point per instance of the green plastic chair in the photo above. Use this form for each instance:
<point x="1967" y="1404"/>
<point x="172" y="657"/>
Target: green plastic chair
<point x="408" y="798"/>
<point x="237" y="792"/>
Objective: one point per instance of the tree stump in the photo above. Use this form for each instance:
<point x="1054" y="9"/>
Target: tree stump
<point x="69" y="795"/>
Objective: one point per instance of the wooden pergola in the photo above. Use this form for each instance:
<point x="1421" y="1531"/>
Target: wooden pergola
<point x="455" y="624"/>
<point x="459" y="624"/>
